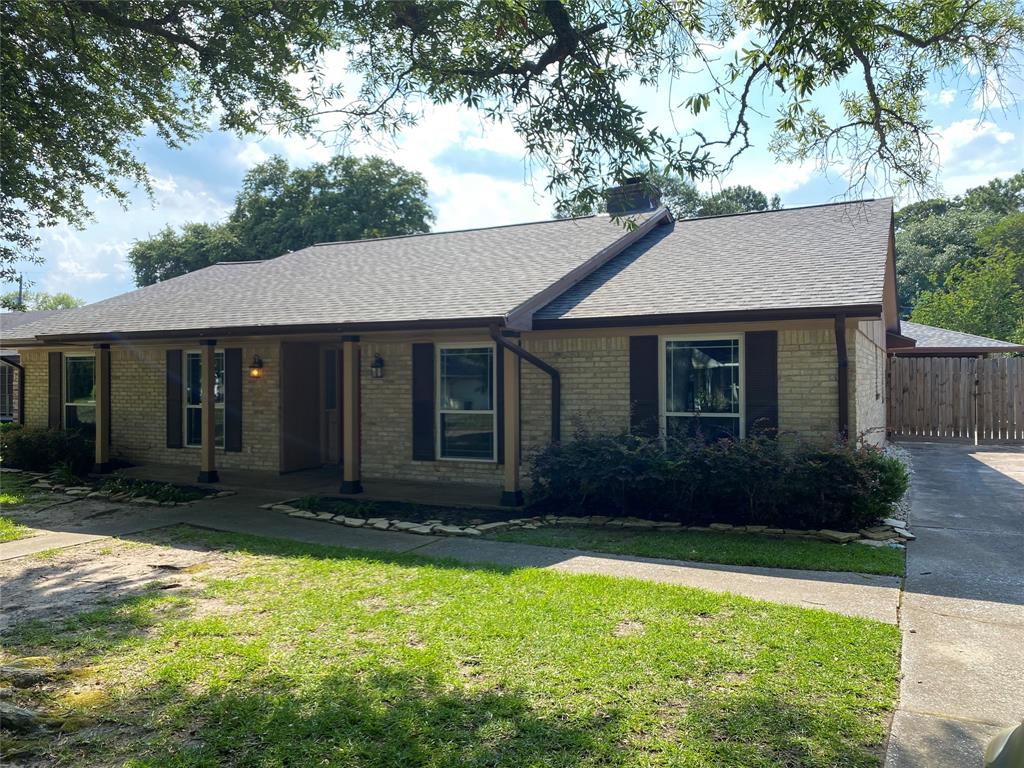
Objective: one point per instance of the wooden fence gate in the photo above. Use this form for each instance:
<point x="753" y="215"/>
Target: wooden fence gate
<point x="980" y="400"/>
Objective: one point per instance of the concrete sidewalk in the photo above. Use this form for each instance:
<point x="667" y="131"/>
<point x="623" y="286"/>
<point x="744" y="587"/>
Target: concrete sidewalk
<point x="874" y="597"/>
<point x="963" y="606"/>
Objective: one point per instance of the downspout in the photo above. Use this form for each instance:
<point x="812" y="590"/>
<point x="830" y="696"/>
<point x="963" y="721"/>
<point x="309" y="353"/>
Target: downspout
<point x="551" y="371"/>
<point x="843" y="380"/>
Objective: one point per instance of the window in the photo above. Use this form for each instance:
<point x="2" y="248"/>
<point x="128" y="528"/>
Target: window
<point x="702" y="388"/>
<point x="465" y="408"/>
<point x="6" y="392"/>
<point x="194" y="399"/>
<point x="79" y="390"/>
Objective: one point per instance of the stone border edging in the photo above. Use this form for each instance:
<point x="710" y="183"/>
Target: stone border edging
<point x="42" y="483"/>
<point x="890" y="533"/>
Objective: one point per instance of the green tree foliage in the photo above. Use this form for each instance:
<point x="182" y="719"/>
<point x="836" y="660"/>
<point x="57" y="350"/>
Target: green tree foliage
<point x="683" y="199"/>
<point x="83" y="80"/>
<point x="740" y="199"/>
<point x="279" y="210"/>
<point x="172" y="253"/>
<point x="934" y="236"/>
<point x="39" y="300"/>
<point x="982" y="296"/>
<point x="928" y="249"/>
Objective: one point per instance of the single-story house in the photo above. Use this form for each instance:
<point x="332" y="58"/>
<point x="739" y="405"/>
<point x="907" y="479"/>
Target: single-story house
<point x="11" y="389"/>
<point x="452" y="356"/>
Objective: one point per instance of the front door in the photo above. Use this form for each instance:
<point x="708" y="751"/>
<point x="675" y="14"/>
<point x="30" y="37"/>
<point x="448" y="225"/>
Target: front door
<point x="330" y="398"/>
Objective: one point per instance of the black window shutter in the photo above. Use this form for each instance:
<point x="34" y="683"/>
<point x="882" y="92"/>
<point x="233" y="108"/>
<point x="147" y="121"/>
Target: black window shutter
<point x="761" y="379"/>
<point x="56" y="389"/>
<point x="643" y="385"/>
<point x="106" y="362"/>
<point x="423" y="402"/>
<point x="499" y="397"/>
<point x="175" y="398"/>
<point x="233" y="399"/>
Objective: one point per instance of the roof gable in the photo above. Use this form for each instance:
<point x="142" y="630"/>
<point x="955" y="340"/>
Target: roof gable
<point x="795" y="259"/>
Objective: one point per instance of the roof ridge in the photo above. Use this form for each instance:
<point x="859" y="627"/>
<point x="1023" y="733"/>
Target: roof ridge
<point x="786" y="210"/>
<point x="467" y="229"/>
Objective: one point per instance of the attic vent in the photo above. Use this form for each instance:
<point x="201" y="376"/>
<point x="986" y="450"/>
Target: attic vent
<point x="633" y="196"/>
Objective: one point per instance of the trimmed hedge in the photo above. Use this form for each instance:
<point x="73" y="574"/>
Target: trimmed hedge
<point x="42" y="450"/>
<point x="761" y="480"/>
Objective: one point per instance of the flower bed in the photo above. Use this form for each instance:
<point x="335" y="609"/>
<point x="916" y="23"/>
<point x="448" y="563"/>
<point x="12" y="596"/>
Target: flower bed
<point x="890" y="532"/>
<point x="119" y="489"/>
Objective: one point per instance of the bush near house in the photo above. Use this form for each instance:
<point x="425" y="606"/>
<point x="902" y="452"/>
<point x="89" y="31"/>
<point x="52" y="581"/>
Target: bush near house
<point x="760" y="480"/>
<point x="40" y="450"/>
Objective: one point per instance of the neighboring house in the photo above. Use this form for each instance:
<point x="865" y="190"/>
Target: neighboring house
<point x="919" y="340"/>
<point x="12" y="385"/>
<point x="452" y="356"/>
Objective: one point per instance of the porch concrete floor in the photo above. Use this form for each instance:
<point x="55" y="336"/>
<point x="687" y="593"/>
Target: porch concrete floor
<point x="324" y="481"/>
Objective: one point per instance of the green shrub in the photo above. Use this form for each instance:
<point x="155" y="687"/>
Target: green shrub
<point x="41" y="450"/>
<point x="757" y="481"/>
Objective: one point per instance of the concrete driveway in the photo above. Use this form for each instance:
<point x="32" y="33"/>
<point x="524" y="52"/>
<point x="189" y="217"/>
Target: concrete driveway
<point x="962" y="613"/>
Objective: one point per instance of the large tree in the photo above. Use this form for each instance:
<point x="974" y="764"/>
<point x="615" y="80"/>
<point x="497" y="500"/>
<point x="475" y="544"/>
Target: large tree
<point x="933" y="236"/>
<point x="981" y="296"/>
<point x="280" y="209"/>
<point x="81" y="81"/>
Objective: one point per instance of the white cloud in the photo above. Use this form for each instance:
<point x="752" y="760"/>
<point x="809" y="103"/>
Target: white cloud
<point x="251" y="154"/>
<point x="946" y="96"/>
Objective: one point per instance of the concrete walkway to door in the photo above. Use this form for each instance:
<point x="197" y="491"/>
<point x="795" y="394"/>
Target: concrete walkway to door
<point x="962" y="613"/>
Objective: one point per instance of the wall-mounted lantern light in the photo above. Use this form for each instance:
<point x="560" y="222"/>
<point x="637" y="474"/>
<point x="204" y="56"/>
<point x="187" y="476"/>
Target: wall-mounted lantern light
<point x="377" y="367"/>
<point x="256" y="367"/>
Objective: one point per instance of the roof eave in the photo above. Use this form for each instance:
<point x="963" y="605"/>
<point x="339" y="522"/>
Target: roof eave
<point x="920" y="351"/>
<point x="278" y="330"/>
<point x="726" y="316"/>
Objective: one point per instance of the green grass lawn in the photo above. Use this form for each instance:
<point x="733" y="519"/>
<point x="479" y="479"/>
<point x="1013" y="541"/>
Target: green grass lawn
<point x="712" y="547"/>
<point x="12" y="531"/>
<point x="313" y="656"/>
<point x="13" y="491"/>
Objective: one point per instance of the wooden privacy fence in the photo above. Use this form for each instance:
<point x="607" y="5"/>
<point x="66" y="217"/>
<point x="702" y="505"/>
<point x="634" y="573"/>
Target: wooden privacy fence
<point x="957" y="398"/>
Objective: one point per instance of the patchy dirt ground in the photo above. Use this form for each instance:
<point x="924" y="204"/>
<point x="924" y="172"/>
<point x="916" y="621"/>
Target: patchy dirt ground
<point x="55" y="697"/>
<point x="59" y="584"/>
<point x="55" y="512"/>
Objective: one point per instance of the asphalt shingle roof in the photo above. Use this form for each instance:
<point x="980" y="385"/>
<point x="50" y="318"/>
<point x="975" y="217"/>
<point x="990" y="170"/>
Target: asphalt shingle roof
<point x="928" y="336"/>
<point x="448" y="276"/>
<point x="820" y="256"/>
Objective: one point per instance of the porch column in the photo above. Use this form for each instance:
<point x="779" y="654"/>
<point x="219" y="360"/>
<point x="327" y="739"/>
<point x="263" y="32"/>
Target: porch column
<point x="102" y="464"/>
<point x="208" y="466"/>
<point x="512" y="495"/>
<point x="350" y="438"/>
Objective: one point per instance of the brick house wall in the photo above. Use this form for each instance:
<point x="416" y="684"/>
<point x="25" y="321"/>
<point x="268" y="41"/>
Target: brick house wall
<point x="386" y="409"/>
<point x="138" y="401"/>
<point x="868" y="389"/>
<point x="594" y="369"/>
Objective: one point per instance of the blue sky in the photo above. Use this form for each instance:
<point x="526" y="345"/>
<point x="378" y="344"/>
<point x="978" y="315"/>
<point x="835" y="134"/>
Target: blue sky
<point x="477" y="175"/>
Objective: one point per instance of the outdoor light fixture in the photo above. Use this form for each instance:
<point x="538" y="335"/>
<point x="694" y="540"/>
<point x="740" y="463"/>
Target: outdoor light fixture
<point x="256" y="367"/>
<point x="377" y="367"/>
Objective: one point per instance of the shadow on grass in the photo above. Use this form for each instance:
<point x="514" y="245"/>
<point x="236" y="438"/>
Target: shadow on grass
<point x="346" y="714"/>
<point x="393" y="717"/>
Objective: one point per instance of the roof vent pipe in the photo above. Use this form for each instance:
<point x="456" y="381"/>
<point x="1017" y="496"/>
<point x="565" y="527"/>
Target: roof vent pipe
<point x="635" y="195"/>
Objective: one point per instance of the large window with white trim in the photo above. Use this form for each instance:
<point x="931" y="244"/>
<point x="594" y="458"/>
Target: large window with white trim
<point x="79" y="390"/>
<point x="466" y="414"/>
<point x="701" y="387"/>
<point x="194" y="398"/>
